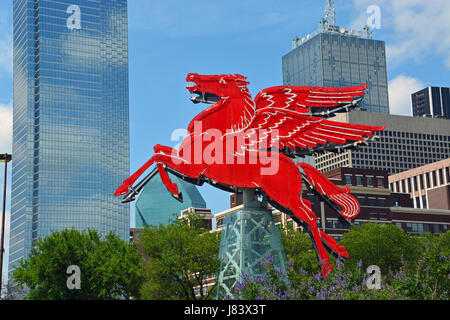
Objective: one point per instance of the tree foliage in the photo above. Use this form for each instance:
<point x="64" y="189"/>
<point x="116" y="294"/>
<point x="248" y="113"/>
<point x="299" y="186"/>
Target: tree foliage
<point x="110" y="267"/>
<point x="384" y="245"/>
<point x="181" y="257"/>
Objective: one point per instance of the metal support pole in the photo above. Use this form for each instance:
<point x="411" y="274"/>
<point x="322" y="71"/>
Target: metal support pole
<point x="6" y="157"/>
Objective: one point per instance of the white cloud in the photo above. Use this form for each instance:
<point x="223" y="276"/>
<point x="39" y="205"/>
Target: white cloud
<point x="5" y="128"/>
<point x="417" y="28"/>
<point x="400" y="90"/>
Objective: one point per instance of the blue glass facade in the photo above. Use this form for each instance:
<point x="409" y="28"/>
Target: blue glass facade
<point x="339" y="60"/>
<point x="70" y="127"/>
<point x="156" y="205"/>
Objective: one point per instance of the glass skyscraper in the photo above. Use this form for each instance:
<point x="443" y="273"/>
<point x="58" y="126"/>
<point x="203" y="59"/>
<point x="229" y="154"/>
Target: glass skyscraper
<point x="339" y="58"/>
<point x="70" y="131"/>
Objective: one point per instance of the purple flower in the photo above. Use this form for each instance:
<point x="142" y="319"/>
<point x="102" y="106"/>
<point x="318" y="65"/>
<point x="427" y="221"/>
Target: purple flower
<point x="360" y="263"/>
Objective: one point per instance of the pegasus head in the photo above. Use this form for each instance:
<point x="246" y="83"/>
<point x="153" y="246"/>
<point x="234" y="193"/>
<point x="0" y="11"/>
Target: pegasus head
<point x="214" y="88"/>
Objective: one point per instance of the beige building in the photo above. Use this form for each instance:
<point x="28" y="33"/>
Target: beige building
<point x="406" y="143"/>
<point x="428" y="186"/>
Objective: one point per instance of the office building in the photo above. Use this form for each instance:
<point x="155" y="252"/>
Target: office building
<point x="156" y="205"/>
<point x="71" y="128"/>
<point x="428" y="186"/>
<point x="431" y="102"/>
<point x="378" y="204"/>
<point x="406" y="143"/>
<point x="335" y="57"/>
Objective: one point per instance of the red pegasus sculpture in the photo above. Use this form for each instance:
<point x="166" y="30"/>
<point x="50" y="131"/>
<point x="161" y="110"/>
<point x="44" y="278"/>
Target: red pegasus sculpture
<point x="240" y="143"/>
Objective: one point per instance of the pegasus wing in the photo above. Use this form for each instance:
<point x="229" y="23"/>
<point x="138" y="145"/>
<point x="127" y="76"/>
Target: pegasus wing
<point x="294" y="133"/>
<point x="313" y="100"/>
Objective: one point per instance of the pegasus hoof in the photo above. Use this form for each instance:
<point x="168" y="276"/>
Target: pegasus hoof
<point x="342" y="251"/>
<point x="123" y="189"/>
<point x="326" y="269"/>
<point x="178" y="196"/>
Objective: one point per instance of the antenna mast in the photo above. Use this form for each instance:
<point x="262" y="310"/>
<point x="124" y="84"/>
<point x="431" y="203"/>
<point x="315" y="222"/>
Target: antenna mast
<point x="330" y="13"/>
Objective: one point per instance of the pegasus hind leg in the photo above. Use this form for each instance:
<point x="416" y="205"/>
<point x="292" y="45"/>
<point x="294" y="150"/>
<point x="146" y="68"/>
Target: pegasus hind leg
<point x="304" y="213"/>
<point x="339" y="196"/>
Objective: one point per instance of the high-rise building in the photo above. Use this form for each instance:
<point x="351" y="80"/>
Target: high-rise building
<point x="406" y="143"/>
<point x="335" y="57"/>
<point x="431" y="102"/>
<point x="70" y="131"/>
<point x="156" y="205"/>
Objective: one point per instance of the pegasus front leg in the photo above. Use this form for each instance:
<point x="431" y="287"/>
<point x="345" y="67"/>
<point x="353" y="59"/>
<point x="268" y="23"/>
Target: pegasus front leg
<point x="161" y="153"/>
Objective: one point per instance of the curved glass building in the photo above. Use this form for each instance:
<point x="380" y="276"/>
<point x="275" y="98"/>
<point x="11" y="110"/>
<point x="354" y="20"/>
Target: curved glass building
<point x="156" y="205"/>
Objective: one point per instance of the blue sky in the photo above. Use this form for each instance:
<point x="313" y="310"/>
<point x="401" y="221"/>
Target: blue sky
<point x="168" y="39"/>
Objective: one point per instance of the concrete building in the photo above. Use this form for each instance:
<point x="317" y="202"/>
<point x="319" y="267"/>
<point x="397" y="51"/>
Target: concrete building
<point x="431" y="102"/>
<point x="428" y="186"/>
<point x="406" y="143"/>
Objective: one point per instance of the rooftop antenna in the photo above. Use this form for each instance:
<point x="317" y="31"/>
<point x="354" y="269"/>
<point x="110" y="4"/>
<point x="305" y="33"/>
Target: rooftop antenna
<point x="330" y="14"/>
<point x="368" y="31"/>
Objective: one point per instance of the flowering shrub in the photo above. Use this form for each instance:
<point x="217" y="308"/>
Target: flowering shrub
<point x="428" y="277"/>
<point x="339" y="285"/>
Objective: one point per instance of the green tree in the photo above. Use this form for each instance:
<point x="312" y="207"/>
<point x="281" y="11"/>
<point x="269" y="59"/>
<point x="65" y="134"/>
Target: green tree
<point x="428" y="277"/>
<point x="181" y="257"/>
<point x="379" y="244"/>
<point x="299" y="250"/>
<point x="110" y="268"/>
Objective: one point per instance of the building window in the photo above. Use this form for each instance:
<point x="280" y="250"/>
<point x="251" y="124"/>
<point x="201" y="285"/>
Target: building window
<point x="382" y="202"/>
<point x="441" y="176"/>
<point x="370" y="181"/>
<point x="359" y="181"/>
<point x="335" y="224"/>
<point x="436" y="229"/>
<point x="348" y="179"/>
<point x="399" y="224"/>
<point x="396" y="201"/>
<point x="360" y="200"/>
<point x="380" y="182"/>
<point x="373" y="216"/>
<point x="383" y="216"/>
<point x="372" y="202"/>
<point x="414" y="227"/>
